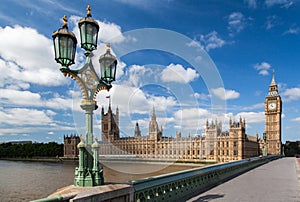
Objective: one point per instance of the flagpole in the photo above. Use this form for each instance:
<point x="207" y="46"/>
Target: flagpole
<point x="109" y="102"/>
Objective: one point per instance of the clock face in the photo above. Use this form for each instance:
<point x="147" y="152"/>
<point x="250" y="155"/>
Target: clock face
<point x="272" y="106"/>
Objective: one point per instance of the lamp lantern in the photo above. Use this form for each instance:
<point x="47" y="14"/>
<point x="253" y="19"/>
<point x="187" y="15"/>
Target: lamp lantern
<point x="108" y="66"/>
<point x="89" y="29"/>
<point x="264" y="136"/>
<point x="64" y="45"/>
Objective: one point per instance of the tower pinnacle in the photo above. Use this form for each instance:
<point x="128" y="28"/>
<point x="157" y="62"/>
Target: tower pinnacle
<point x="273" y="82"/>
<point x="153" y="116"/>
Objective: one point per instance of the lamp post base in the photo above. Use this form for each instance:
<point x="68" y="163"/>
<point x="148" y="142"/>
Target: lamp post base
<point x="83" y="179"/>
<point x="88" y="179"/>
<point x="88" y="176"/>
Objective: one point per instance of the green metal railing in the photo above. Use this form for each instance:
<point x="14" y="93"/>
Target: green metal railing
<point x="175" y="186"/>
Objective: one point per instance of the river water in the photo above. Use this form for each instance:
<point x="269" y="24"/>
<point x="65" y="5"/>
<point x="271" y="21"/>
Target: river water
<point x="25" y="181"/>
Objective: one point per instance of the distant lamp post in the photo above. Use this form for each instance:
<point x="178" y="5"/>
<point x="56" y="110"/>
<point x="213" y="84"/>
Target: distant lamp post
<point x="89" y="173"/>
<point x="265" y="152"/>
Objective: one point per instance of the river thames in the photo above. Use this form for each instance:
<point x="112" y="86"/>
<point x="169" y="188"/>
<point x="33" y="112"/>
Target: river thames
<point x="25" y="181"/>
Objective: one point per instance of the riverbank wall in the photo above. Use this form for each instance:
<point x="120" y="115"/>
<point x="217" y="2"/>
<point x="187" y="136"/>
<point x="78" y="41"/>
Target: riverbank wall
<point x="35" y="159"/>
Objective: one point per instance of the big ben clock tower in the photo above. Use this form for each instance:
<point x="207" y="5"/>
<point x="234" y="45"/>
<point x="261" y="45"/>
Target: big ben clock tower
<point x="273" y="109"/>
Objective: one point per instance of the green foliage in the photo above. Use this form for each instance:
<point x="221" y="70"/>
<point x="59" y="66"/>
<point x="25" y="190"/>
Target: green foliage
<point x="51" y="149"/>
<point x="292" y="149"/>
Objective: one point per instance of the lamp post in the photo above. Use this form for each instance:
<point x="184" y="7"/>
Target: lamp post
<point x="89" y="173"/>
<point x="265" y="151"/>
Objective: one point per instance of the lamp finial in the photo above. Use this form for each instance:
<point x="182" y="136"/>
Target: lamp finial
<point x="108" y="47"/>
<point x="65" y="20"/>
<point x="88" y="11"/>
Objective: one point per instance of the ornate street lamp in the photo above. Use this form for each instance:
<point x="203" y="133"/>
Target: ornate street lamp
<point x="89" y="173"/>
<point x="265" y="151"/>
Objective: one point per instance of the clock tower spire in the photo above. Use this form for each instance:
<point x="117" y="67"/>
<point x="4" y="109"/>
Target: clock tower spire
<point x="273" y="110"/>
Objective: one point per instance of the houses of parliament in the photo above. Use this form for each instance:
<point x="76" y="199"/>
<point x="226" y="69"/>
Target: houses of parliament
<point x="213" y="145"/>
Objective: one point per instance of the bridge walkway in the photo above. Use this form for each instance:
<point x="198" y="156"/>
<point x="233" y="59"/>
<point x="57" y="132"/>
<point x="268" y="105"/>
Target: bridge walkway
<point x="275" y="181"/>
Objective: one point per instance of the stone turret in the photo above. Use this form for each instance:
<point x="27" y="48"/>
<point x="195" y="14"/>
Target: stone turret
<point x="154" y="132"/>
<point x="137" y="131"/>
<point x="110" y="125"/>
<point x="70" y="146"/>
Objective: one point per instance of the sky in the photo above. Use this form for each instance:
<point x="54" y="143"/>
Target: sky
<point x="191" y="60"/>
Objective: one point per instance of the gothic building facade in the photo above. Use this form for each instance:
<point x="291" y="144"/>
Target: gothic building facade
<point x="70" y="146"/>
<point x="213" y="145"/>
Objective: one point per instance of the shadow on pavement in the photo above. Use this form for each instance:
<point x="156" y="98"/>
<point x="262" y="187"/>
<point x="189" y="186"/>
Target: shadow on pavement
<point x="208" y="197"/>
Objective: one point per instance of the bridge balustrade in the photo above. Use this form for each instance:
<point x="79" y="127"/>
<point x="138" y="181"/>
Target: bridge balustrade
<point x="184" y="184"/>
<point x="177" y="186"/>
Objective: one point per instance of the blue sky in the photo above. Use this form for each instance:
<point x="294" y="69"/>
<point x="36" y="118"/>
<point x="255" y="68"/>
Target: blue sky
<point x="192" y="60"/>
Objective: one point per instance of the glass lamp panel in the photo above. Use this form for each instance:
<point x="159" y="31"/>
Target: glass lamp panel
<point x="113" y="70"/>
<point x="82" y="34"/>
<point x="70" y="51"/>
<point x="95" y="36"/>
<point x="104" y="65"/>
<point x="89" y="35"/>
<point x="63" y="44"/>
<point x="56" y="47"/>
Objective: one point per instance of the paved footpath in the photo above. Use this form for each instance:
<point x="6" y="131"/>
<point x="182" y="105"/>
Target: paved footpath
<point x="278" y="180"/>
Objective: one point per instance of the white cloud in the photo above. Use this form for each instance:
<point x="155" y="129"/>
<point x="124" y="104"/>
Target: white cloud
<point x="195" y="44"/>
<point x="133" y="100"/>
<point x="201" y="96"/>
<point x="255" y="106"/>
<point x="282" y="3"/>
<point x="177" y="73"/>
<point x="110" y="32"/>
<point x="25" y="117"/>
<point x="211" y="41"/>
<point x="191" y="119"/>
<point x="27" y="58"/>
<point x="292" y="30"/>
<point x="236" y="22"/>
<point x="263" y="68"/>
<point x="225" y="94"/>
<point x="296" y="119"/>
<point x="252" y="117"/>
<point x="23" y="98"/>
<point x="26" y="98"/>
<point x="272" y="21"/>
<point x="136" y="74"/>
<point x="164" y="102"/>
<point x="291" y="94"/>
<point x="251" y="3"/>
